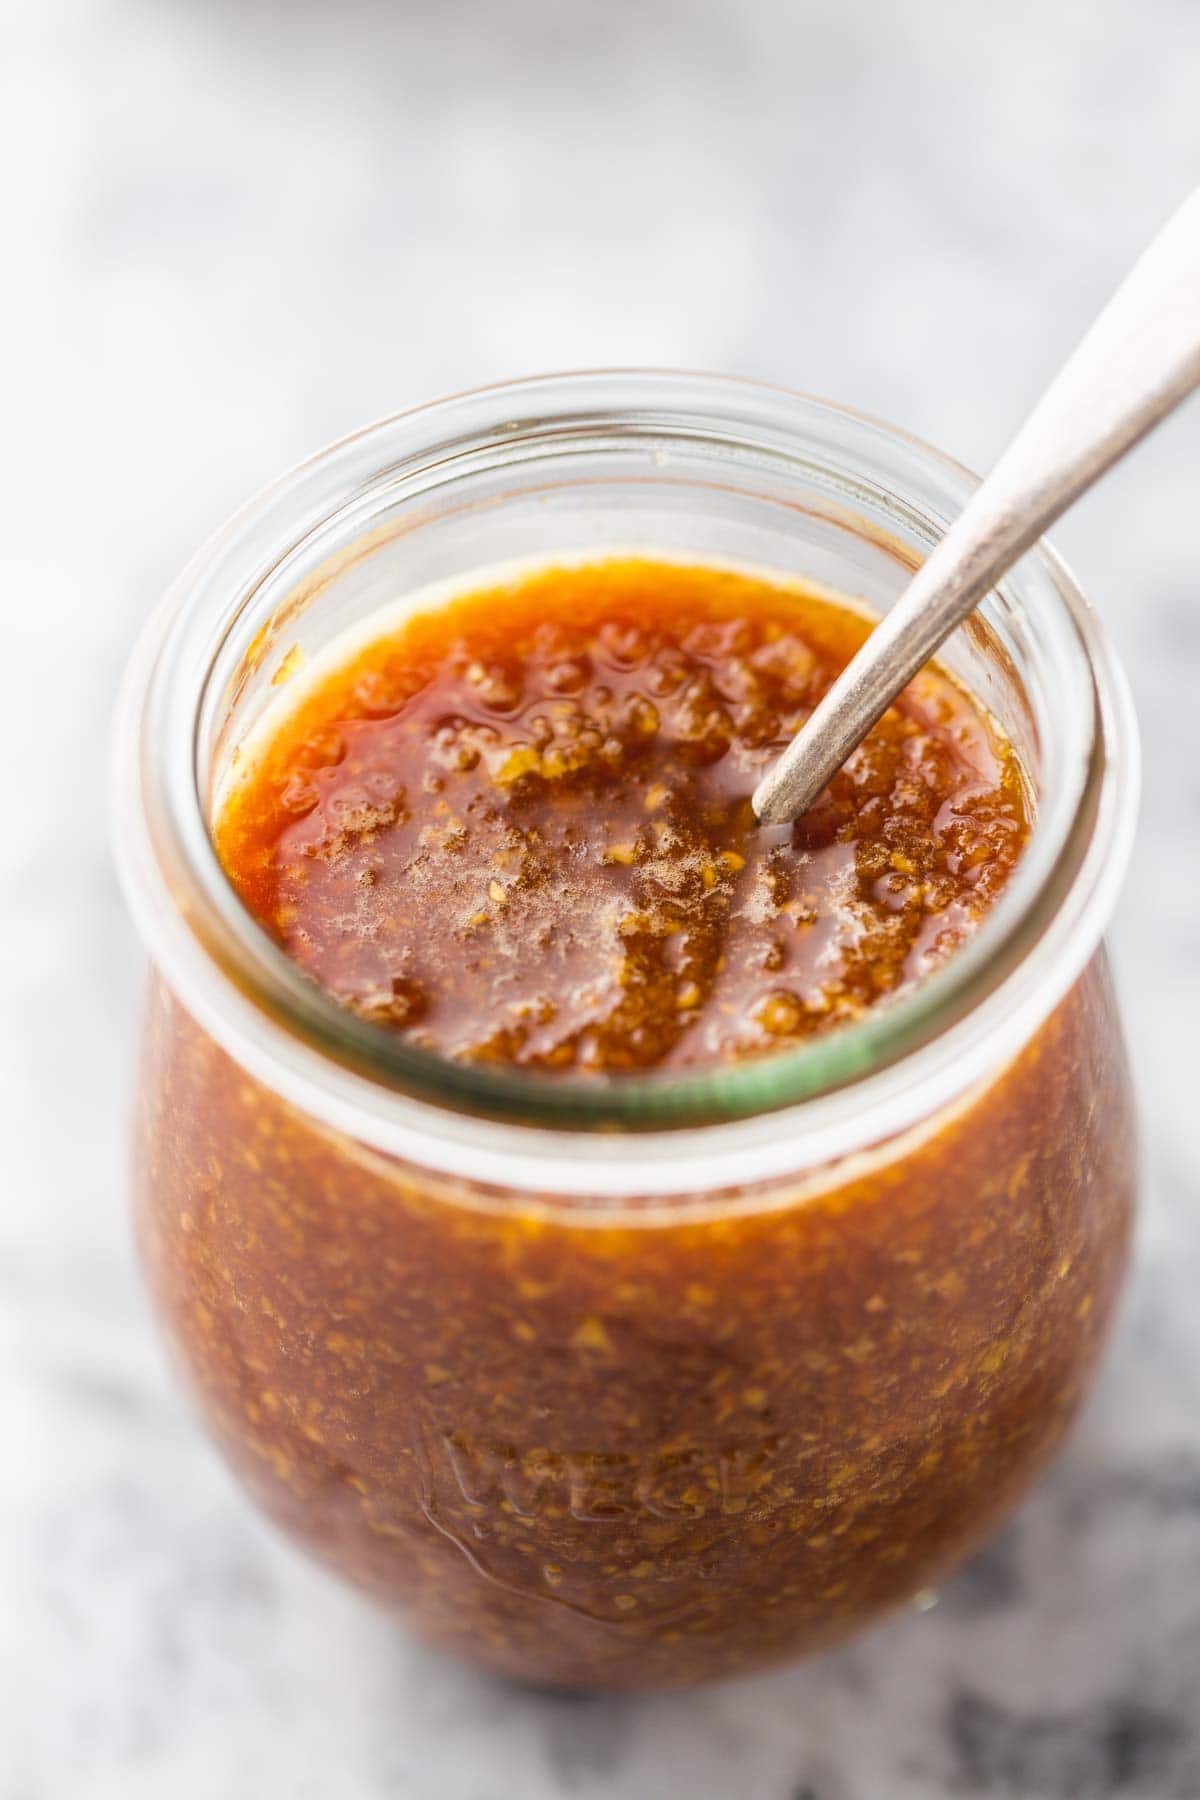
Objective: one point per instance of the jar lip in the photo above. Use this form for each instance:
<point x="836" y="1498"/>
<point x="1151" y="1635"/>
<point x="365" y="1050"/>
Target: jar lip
<point x="800" y="1108"/>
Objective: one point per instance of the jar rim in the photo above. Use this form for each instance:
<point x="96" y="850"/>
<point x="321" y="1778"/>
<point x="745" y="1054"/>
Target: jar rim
<point x="808" y="1107"/>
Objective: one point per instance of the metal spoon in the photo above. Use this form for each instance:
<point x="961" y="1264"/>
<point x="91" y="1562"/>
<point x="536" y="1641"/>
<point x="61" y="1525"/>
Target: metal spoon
<point x="1137" y="363"/>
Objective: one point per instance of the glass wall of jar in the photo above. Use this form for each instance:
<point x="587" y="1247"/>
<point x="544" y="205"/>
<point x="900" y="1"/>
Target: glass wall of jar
<point x="643" y="1381"/>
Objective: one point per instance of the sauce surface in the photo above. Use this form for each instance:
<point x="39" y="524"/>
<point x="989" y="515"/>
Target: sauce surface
<point x="518" y="829"/>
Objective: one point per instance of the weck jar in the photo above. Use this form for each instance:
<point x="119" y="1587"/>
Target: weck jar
<point x="649" y="1381"/>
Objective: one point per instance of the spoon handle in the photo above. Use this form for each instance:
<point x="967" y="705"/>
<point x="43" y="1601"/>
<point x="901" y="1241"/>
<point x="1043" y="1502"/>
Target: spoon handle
<point x="1135" y="365"/>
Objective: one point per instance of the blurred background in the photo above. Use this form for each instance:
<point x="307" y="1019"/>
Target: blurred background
<point x="234" y="229"/>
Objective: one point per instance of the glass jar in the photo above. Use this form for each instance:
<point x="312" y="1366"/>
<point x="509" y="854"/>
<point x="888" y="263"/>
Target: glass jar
<point x="652" y="1381"/>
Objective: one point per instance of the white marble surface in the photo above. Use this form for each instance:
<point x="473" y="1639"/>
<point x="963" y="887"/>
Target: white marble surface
<point x="235" y="228"/>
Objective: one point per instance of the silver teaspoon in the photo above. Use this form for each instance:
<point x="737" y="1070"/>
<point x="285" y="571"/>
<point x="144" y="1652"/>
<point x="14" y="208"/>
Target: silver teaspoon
<point x="1137" y="363"/>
